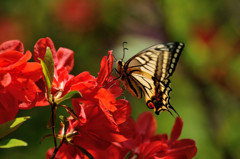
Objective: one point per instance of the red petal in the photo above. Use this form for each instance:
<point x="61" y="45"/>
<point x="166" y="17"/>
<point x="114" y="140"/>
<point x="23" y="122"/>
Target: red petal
<point x="32" y="70"/>
<point x="49" y="153"/>
<point x="113" y="87"/>
<point x="79" y="110"/>
<point x="176" y="130"/>
<point x="123" y="111"/>
<point x="24" y="91"/>
<point x="82" y="77"/>
<point x="106" y="99"/>
<point x="110" y="61"/>
<point x="12" y="59"/>
<point x="65" y="59"/>
<point x="107" y="104"/>
<point x="84" y="84"/>
<point x="185" y="147"/>
<point x="112" y="152"/>
<point x="106" y="68"/>
<point x="12" y="45"/>
<point x="92" y="140"/>
<point x="40" y="49"/>
<point x="146" y="125"/>
<point x="161" y="137"/>
<point x="8" y="107"/>
<point x="103" y="73"/>
<point x="5" y="80"/>
<point x="134" y="139"/>
<point x="27" y="105"/>
<point x="149" y="150"/>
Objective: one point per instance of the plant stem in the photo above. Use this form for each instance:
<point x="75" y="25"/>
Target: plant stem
<point x="53" y="108"/>
<point x="57" y="148"/>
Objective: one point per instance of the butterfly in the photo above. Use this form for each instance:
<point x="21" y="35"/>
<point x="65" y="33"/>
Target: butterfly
<point x="147" y="74"/>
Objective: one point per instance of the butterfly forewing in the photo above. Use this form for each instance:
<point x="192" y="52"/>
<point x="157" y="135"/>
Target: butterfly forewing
<point x="158" y="61"/>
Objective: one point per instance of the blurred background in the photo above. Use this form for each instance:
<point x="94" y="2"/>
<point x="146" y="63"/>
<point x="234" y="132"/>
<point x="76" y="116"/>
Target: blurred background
<point x="206" y="83"/>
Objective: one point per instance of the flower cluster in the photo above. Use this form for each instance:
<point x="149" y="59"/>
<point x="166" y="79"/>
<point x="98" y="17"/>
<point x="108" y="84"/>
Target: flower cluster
<point x="99" y="125"/>
<point x="102" y="119"/>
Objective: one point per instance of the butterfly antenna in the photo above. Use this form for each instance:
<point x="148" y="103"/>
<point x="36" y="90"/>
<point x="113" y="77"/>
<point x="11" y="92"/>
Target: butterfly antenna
<point x="124" y="48"/>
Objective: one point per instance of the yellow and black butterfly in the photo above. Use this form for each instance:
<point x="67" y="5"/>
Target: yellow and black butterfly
<point x="147" y="74"/>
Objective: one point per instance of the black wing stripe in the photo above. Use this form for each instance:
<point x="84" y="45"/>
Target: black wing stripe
<point x="132" y="87"/>
<point x="175" y="49"/>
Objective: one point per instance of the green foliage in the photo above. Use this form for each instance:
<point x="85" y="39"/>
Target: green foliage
<point x="12" y="125"/>
<point x="8" y="128"/>
<point x="10" y="143"/>
<point x="48" y="70"/>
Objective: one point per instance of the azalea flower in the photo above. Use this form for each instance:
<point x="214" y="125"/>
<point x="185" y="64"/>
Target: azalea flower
<point x="146" y="145"/>
<point x="17" y="79"/>
<point x="63" y="63"/>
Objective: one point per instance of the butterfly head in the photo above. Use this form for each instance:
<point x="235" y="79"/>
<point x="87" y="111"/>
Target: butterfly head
<point x="120" y="65"/>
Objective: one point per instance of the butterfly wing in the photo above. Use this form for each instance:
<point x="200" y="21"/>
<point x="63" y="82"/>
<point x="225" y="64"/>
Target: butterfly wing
<point x="146" y="74"/>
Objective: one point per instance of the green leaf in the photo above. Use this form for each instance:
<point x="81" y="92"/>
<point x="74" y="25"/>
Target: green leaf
<point x="128" y="155"/>
<point x="11" y="125"/>
<point x="48" y="70"/>
<point x="72" y="94"/>
<point x="46" y="75"/>
<point x="63" y="119"/>
<point x="9" y="143"/>
<point x="48" y="60"/>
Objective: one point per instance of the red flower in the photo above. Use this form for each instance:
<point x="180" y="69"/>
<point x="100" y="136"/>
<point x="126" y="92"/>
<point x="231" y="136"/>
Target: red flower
<point x="103" y="114"/>
<point x="102" y="119"/>
<point x="146" y="145"/>
<point x="66" y="151"/>
<point x="17" y="79"/>
<point x="63" y="63"/>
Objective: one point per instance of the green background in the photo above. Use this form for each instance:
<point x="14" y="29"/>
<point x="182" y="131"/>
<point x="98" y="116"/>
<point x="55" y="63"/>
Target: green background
<point x="206" y="87"/>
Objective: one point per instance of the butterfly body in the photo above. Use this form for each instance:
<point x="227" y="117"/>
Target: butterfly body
<point x="146" y="74"/>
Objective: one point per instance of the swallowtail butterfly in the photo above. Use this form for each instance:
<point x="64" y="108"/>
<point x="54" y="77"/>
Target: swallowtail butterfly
<point x="147" y="74"/>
